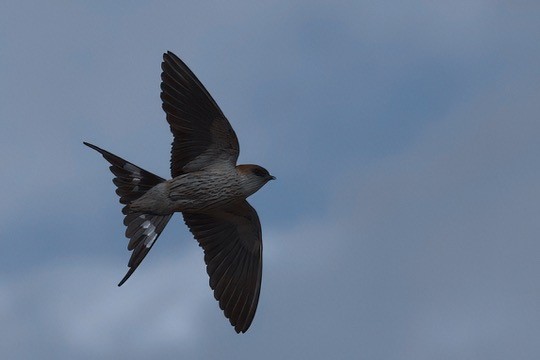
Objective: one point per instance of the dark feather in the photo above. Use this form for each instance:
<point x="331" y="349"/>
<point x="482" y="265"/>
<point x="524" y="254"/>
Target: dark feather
<point x="232" y="244"/>
<point x="143" y="230"/>
<point x="202" y="134"/>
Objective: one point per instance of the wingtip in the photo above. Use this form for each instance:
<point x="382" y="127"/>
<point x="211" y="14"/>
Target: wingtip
<point x="168" y="54"/>
<point x="241" y="330"/>
<point x="242" y="327"/>
<point x="170" y="57"/>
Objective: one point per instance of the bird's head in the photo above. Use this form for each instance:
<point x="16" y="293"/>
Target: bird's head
<point x="253" y="177"/>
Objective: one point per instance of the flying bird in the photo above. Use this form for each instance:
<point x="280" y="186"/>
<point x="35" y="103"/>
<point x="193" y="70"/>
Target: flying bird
<point x="207" y="187"/>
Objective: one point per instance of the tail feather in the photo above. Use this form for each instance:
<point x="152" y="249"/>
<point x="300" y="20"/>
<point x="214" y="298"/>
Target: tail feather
<point x="131" y="181"/>
<point x="142" y="229"/>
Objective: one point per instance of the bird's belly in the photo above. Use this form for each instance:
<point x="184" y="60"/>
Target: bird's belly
<point x="197" y="193"/>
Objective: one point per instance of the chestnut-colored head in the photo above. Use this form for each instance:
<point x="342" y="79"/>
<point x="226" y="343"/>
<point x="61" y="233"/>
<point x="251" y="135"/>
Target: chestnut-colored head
<point x="253" y="177"/>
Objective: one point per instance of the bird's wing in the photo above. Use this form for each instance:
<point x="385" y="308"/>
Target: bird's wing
<point x="202" y="134"/>
<point x="232" y="244"/>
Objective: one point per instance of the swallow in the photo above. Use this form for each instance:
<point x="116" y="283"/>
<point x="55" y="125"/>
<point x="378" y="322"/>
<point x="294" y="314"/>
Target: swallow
<point x="207" y="187"/>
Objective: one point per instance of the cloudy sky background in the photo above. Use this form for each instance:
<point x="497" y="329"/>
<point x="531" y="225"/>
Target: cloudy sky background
<point x="404" y="136"/>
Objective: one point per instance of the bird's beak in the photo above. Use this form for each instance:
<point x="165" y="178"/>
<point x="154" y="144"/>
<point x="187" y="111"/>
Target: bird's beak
<point x="272" y="178"/>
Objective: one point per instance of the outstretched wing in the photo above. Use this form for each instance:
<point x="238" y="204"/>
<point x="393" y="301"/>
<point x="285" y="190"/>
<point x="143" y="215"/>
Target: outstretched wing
<point x="142" y="230"/>
<point x="232" y="244"/>
<point x="202" y="134"/>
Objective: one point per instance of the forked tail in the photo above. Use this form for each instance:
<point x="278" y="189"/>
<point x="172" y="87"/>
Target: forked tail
<point x="142" y="229"/>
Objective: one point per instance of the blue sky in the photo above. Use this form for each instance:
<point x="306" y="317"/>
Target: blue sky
<point x="404" y="136"/>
